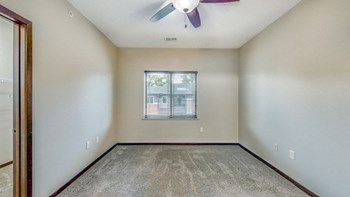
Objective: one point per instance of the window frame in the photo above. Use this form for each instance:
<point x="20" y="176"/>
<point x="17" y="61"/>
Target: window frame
<point x="170" y="99"/>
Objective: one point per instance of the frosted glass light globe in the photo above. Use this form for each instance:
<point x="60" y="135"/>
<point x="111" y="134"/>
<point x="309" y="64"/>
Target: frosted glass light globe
<point x="185" y="6"/>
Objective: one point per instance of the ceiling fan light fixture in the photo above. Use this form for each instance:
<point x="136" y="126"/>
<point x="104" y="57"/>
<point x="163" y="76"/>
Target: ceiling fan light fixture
<point x="185" y="6"/>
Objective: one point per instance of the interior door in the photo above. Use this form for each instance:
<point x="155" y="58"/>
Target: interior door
<point x="15" y="105"/>
<point x="7" y="120"/>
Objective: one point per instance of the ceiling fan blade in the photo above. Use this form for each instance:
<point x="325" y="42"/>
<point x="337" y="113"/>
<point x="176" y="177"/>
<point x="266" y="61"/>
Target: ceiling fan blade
<point x="163" y="12"/>
<point x="194" y="17"/>
<point x="218" y="1"/>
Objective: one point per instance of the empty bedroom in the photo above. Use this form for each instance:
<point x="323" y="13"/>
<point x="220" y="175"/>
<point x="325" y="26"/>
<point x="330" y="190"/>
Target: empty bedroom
<point x="174" y="98"/>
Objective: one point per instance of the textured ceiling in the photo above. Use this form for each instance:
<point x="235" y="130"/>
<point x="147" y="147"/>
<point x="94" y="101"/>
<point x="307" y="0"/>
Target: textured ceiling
<point x="229" y="25"/>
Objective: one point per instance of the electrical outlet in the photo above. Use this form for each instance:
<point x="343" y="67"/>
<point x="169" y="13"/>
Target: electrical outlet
<point x="87" y="145"/>
<point x="291" y="154"/>
<point x="275" y="146"/>
<point x="97" y="139"/>
<point x="201" y="129"/>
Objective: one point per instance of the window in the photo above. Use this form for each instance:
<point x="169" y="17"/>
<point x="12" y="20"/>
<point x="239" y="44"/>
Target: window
<point x="150" y="99"/>
<point x="164" y="99"/>
<point x="170" y="95"/>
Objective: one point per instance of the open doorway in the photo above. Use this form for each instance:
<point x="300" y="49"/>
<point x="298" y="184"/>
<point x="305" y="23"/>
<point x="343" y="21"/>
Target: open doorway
<point x="15" y="104"/>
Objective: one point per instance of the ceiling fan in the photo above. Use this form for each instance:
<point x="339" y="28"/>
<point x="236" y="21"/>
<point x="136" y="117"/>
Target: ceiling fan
<point x="189" y="7"/>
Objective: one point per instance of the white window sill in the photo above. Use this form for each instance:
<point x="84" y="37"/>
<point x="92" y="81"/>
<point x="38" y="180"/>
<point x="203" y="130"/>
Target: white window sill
<point x="195" y="119"/>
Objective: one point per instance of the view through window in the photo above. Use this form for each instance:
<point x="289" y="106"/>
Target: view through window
<point x="170" y="94"/>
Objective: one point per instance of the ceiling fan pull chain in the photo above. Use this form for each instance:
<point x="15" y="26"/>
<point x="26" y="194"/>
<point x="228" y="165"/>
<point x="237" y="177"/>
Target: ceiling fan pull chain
<point x="185" y="20"/>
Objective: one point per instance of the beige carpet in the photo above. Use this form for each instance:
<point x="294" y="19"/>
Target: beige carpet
<point x="181" y="171"/>
<point x="6" y="181"/>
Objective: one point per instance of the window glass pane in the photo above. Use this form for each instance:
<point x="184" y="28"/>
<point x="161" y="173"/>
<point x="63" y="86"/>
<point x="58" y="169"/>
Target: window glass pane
<point x="158" y="88"/>
<point x="184" y="94"/>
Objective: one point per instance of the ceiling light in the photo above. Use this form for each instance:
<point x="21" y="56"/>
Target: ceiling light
<point x="185" y="6"/>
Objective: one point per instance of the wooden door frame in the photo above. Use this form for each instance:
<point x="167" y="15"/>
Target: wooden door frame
<point x="23" y="103"/>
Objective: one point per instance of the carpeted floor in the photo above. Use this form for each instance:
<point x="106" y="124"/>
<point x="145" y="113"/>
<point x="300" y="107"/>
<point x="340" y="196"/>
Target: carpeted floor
<point x="181" y="171"/>
<point x="6" y="181"/>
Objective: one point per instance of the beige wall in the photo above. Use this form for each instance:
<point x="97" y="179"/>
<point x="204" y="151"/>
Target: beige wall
<point x="72" y="92"/>
<point x="217" y="95"/>
<point x="294" y="80"/>
<point x="295" y="91"/>
<point x="6" y="102"/>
